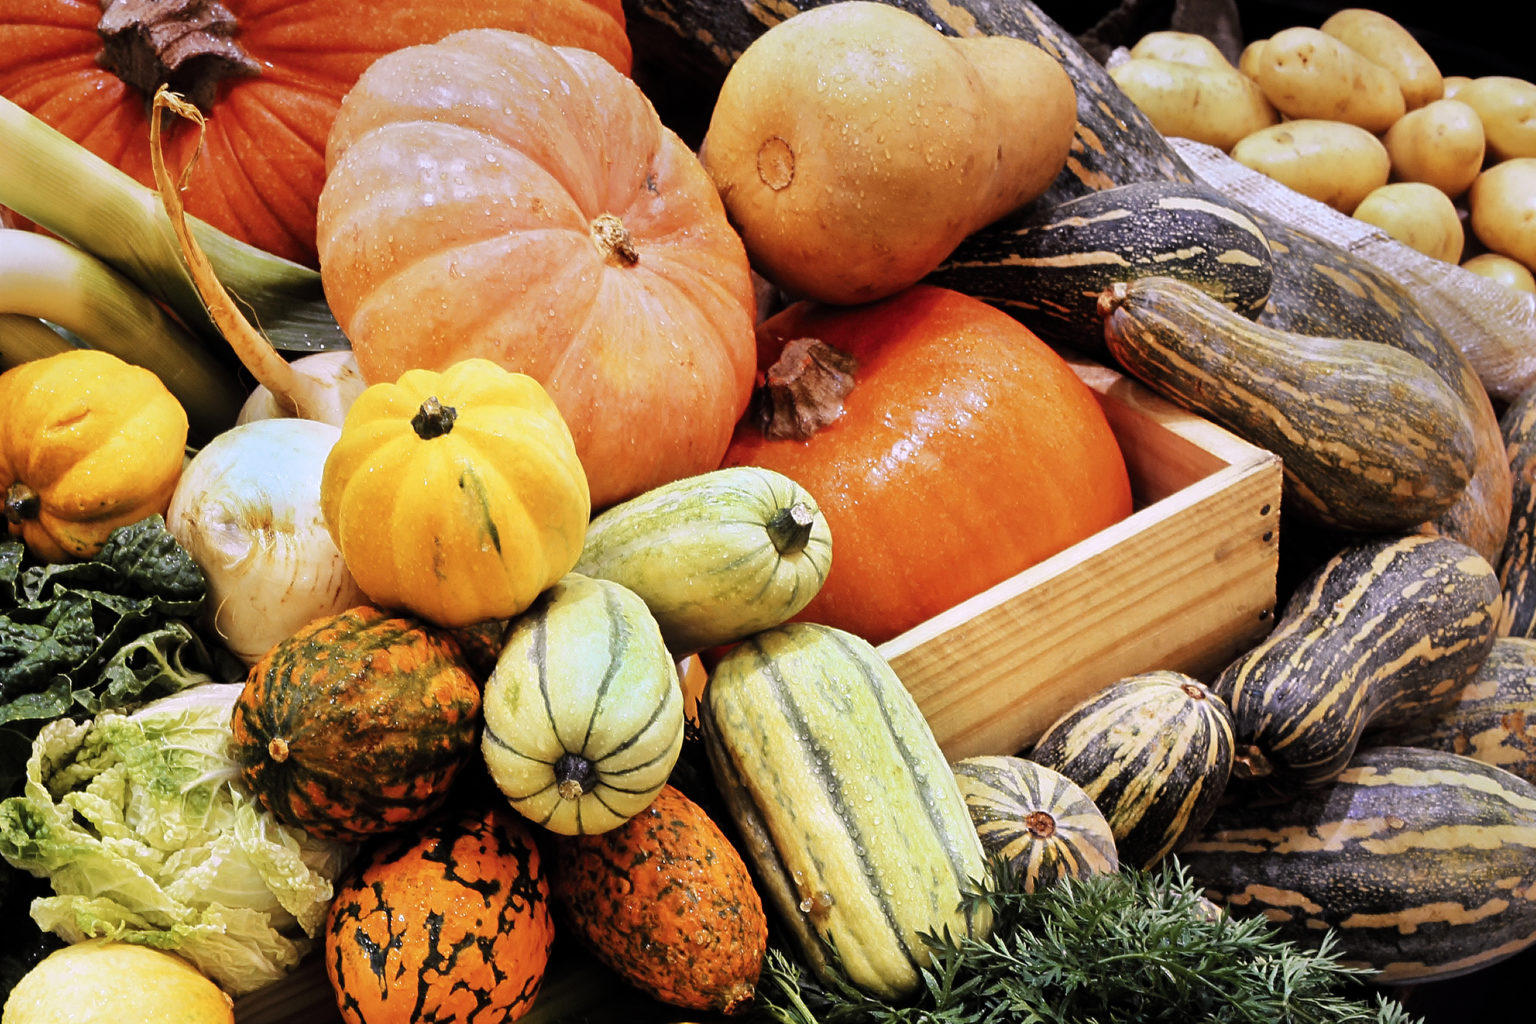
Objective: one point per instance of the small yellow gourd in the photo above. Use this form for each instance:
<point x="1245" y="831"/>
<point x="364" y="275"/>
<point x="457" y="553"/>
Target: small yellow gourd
<point x="88" y="443"/>
<point x="456" y="496"/>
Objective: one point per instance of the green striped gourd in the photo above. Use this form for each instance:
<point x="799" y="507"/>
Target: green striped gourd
<point x="1493" y="717"/>
<point x="716" y="556"/>
<point x="1384" y="632"/>
<point x="1421" y="862"/>
<point x="1154" y="751"/>
<point x="844" y="802"/>
<point x="1036" y="819"/>
<point x="584" y="709"/>
<point x="1048" y="264"/>
<point x="1370" y="437"/>
<point x="1517" y="564"/>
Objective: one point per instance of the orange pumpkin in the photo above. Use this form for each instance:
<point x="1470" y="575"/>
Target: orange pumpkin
<point x="491" y="195"/>
<point x="269" y="72"/>
<point x="947" y="445"/>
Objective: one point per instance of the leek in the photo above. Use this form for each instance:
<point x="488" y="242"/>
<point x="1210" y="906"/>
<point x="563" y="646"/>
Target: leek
<point x="52" y="280"/>
<point x="23" y="338"/>
<point x="53" y="181"/>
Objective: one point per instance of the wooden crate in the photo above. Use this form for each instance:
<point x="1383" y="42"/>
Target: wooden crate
<point x="1186" y="582"/>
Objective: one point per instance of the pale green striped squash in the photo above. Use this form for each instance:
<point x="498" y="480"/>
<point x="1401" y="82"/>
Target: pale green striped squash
<point x="1421" y="862"/>
<point x="583" y="710"/>
<point x="844" y="801"/>
<point x="716" y="556"/>
<point x="1036" y="819"/>
<point x="1155" y="752"/>
<point x="1386" y="631"/>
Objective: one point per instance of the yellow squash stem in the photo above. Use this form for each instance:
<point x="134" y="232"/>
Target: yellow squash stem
<point x="294" y="393"/>
<point x="47" y="279"/>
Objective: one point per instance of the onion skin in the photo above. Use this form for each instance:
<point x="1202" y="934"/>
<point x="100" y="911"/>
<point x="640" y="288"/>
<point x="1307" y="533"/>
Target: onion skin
<point x="247" y="509"/>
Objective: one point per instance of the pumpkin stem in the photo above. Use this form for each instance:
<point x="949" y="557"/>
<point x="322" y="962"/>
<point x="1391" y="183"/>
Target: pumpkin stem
<point x="790" y="528"/>
<point x="574" y="776"/>
<point x="614" y="241"/>
<point x="1040" y="824"/>
<point x="803" y="390"/>
<point x="188" y="45"/>
<point x="21" y="503"/>
<point x="433" y="419"/>
<point x="1250" y="763"/>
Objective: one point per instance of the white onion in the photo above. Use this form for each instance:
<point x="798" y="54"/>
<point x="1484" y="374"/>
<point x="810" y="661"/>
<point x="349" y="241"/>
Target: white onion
<point x="339" y="383"/>
<point x="247" y="509"/>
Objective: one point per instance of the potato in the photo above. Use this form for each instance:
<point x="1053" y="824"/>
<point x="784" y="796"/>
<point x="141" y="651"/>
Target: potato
<point x="1440" y="144"/>
<point x="1335" y="163"/>
<point x="1210" y="105"/>
<point x="1508" y="108"/>
<point x="1510" y="273"/>
<point x="1181" y="48"/>
<point x="1248" y="60"/>
<point x="1502" y="205"/>
<point x="1453" y="84"/>
<point x="1307" y="73"/>
<point x="1418" y="215"/>
<point x="1380" y="38"/>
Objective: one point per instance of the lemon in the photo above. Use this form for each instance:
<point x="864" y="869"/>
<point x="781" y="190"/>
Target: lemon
<point x="100" y="981"/>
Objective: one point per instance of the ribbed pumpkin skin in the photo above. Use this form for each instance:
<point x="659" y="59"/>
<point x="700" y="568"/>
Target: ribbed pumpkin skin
<point x="449" y="924"/>
<point x="1154" y="751"/>
<point x="716" y="556"/>
<point x="1492" y="719"/>
<point x="356" y="725"/>
<point x="1384" y="632"/>
<point x="585" y="693"/>
<point x="846" y="806"/>
<point x="1423" y="862"/>
<point x="667" y="902"/>
<point x="1035" y="818"/>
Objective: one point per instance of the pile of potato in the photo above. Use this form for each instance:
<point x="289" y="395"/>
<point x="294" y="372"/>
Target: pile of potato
<point x="1356" y="114"/>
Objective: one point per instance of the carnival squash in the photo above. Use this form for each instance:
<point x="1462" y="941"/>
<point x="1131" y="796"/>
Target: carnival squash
<point x="456" y="496"/>
<point x="88" y="443"/>
<point x="947" y="446"/>
<point x="490" y="195"/>
<point x="271" y="74"/>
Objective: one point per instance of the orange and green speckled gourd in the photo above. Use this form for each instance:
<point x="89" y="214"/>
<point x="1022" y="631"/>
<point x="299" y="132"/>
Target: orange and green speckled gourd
<point x="667" y="902"/>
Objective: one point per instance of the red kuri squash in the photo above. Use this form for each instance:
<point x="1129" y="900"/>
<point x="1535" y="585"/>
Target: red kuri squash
<point x="491" y="195"/>
<point x="269" y="72"/>
<point x="949" y="448"/>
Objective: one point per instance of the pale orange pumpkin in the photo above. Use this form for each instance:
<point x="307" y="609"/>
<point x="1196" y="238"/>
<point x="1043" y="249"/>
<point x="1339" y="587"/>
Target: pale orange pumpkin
<point x="269" y="73"/>
<point x="491" y="195"/>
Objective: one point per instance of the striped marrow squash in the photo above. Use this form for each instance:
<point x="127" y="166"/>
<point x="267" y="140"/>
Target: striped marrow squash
<point x="1370" y="437"/>
<point x="1155" y="752"/>
<point x="715" y="556"/>
<point x="1421" y="862"/>
<point x="1322" y="289"/>
<point x="1517" y="564"/>
<point x="1492" y="719"/>
<point x="1036" y="819"/>
<point x="1386" y="631"/>
<point x="1047" y="265"/>
<point x="844" y="802"/>
<point x="583" y="713"/>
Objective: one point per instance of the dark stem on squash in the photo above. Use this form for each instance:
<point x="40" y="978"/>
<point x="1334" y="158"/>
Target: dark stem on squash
<point x="574" y="776"/>
<point x="790" y="528"/>
<point x="803" y="390"/>
<point x="433" y="419"/>
<point x="21" y="503"/>
<point x="1249" y="762"/>
<point x="614" y="241"/>
<point x="188" y="45"/>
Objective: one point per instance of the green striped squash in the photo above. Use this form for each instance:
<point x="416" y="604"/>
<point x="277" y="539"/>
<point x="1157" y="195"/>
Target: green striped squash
<point x="1421" y="862"/>
<point x="1370" y="437"/>
<point x="1154" y="751"/>
<point x="1493" y="717"/>
<point x="584" y="709"/>
<point x="1036" y="819"/>
<point x="1047" y="265"/>
<point x="715" y="556"/>
<point x="844" y="802"/>
<point x="1386" y="631"/>
<point x="1517" y="563"/>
